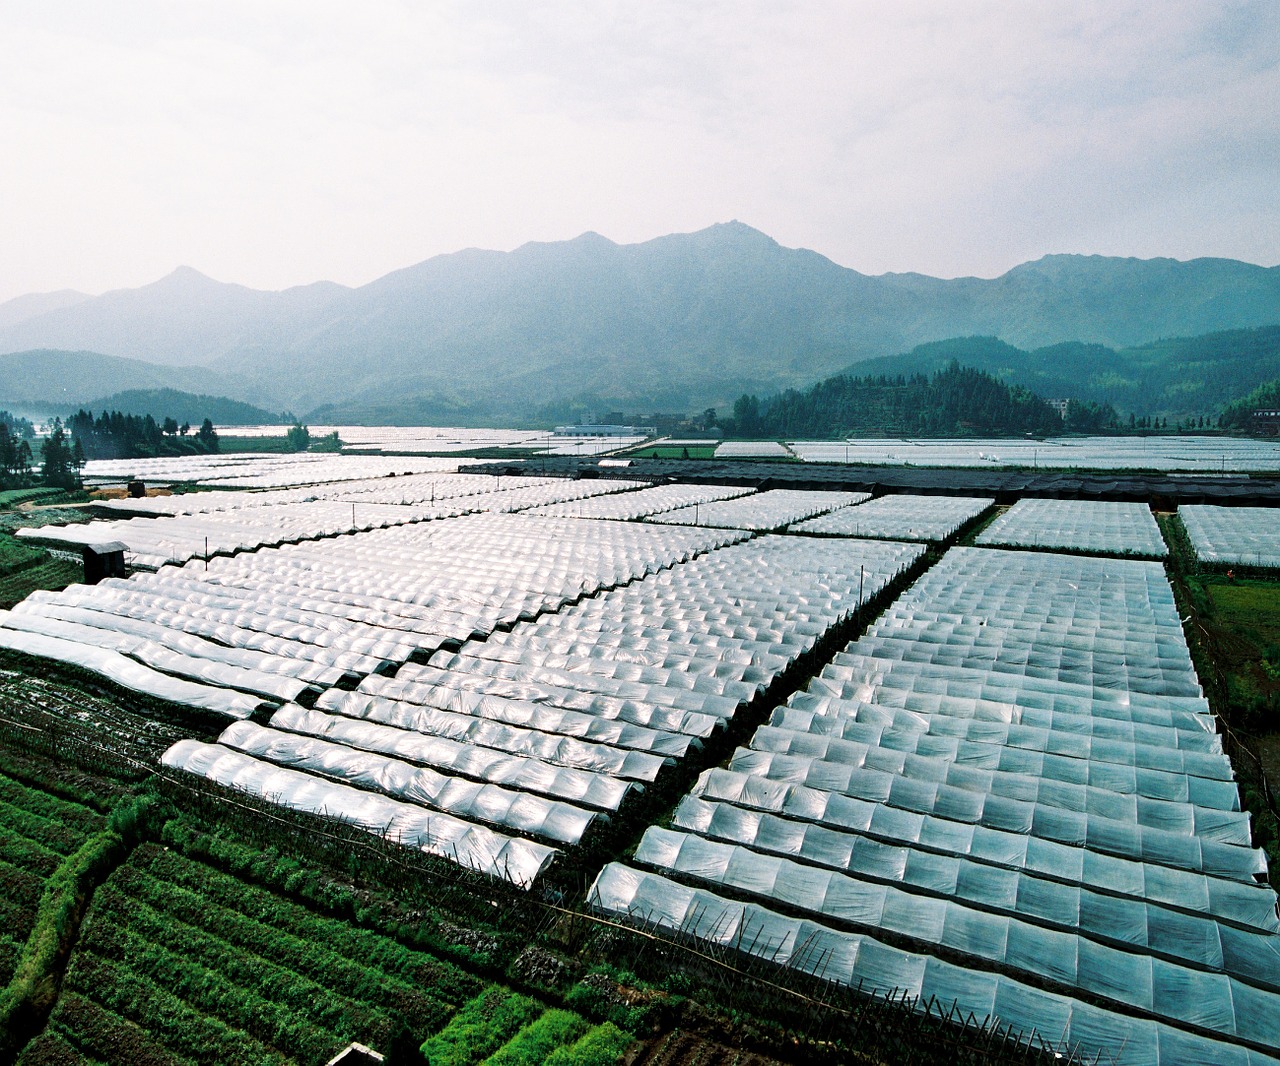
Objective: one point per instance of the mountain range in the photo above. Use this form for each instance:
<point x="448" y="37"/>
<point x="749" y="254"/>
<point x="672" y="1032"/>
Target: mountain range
<point x="552" y="329"/>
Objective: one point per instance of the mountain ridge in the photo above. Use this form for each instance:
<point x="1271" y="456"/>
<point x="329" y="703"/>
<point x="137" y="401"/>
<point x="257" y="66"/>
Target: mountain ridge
<point x="689" y="320"/>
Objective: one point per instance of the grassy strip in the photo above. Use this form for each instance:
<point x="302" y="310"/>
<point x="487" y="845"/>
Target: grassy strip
<point x="20" y="895"/>
<point x="248" y="866"/>
<point x="212" y="992"/>
<point x="37" y="801"/>
<point x="10" y="950"/>
<point x="480" y="1028"/>
<point x="310" y="956"/>
<point x="602" y="1046"/>
<point x="166" y="1017"/>
<point x="374" y="949"/>
<point x="16" y="556"/>
<point x="34" y="985"/>
<point x="551" y="1031"/>
<point x="57" y="778"/>
<point x="13" y="497"/>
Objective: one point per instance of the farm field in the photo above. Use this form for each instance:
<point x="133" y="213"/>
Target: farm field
<point x="533" y="783"/>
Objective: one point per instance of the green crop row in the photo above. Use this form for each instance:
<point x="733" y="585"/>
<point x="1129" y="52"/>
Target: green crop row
<point x="20" y="892"/>
<point x="264" y="906"/>
<point x="13" y="497"/>
<point x="52" y="1048"/>
<point x="602" y="1046"/>
<point x="47" y="832"/>
<point x="250" y="869"/>
<point x="530" y="1046"/>
<point x="17" y="850"/>
<point x="189" y="1032"/>
<point x="39" y="802"/>
<point x="81" y="1028"/>
<point x="54" y="574"/>
<point x="480" y="1028"/>
<point x="238" y="964"/>
<point x="309" y="956"/>
<point x="213" y="992"/>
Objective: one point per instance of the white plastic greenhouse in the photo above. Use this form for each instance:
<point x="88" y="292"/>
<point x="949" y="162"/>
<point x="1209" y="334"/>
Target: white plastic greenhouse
<point x="1079" y="525"/>
<point x="899" y="518"/>
<point x="774" y="509"/>
<point x="1248" y="536"/>
<point x="1014" y="767"/>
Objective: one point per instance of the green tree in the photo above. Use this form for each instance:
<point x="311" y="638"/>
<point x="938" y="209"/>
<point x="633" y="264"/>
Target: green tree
<point x="298" y="437"/>
<point x="207" y="436"/>
<point x="58" y="463"/>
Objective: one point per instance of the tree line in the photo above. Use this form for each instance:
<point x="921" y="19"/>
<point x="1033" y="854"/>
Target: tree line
<point x="112" y="435"/>
<point x="955" y="401"/>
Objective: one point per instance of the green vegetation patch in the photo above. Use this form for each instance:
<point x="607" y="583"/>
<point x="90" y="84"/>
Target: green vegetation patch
<point x="25" y="568"/>
<point x="603" y="1045"/>
<point x="666" y="451"/>
<point x="481" y="1028"/>
<point x="552" y="1030"/>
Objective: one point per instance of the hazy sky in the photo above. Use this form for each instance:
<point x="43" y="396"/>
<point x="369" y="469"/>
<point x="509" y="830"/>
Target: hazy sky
<point x="276" y="142"/>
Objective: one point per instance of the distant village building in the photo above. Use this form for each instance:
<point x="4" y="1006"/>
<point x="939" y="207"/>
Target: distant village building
<point x="1267" y="422"/>
<point x="605" y="431"/>
<point x="1060" y="406"/>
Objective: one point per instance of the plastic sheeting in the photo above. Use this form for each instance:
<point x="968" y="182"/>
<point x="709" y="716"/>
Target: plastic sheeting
<point x="1199" y="940"/>
<point x="1206" y="454"/>
<point x="932" y="518"/>
<point x="589" y="788"/>
<point x="599" y="755"/>
<point x="1082" y="525"/>
<point x="774" y="509"/>
<point x="129" y="674"/>
<point x="632" y="505"/>
<point x="1048" y="942"/>
<point x="1247" y="536"/>
<point x="505" y="808"/>
<point x="1014" y="765"/>
<point x="474" y="846"/>
<point x="860" y="961"/>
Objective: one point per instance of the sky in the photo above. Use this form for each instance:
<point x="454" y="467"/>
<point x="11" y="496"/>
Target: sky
<point x="278" y="142"/>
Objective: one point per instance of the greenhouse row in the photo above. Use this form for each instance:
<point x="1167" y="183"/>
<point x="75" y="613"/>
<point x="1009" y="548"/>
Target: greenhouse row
<point x="648" y="501"/>
<point x="678" y="653"/>
<point x="1174" y="453"/>
<point x="774" y="509"/>
<point x="401" y="489"/>
<point x="352" y="605"/>
<point x="931" y="518"/>
<point x="874" y="967"/>
<point x="1245" y="536"/>
<point x="153" y="542"/>
<point x="1078" y="525"/>
<point x="474" y="846"/>
<point x="1014" y="767"/>
<point x="263" y="471"/>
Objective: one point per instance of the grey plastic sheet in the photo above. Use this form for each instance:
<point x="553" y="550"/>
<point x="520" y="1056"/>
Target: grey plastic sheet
<point x="590" y="789"/>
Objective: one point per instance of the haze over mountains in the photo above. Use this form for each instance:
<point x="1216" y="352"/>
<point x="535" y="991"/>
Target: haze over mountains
<point x="678" y="323"/>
